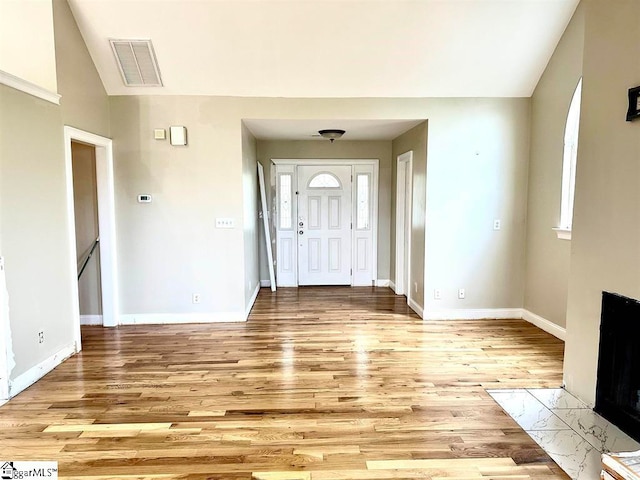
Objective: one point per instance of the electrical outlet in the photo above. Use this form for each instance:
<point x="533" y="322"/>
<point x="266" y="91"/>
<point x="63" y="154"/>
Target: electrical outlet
<point x="195" y="298"/>
<point x="437" y="294"/>
<point x="461" y="293"/>
<point x="41" y="337"/>
<point x="415" y="287"/>
<point x="497" y="224"/>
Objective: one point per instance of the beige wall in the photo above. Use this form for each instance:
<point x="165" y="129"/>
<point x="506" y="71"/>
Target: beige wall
<point x="547" y="257"/>
<point x="414" y="140"/>
<point x="605" y="248"/>
<point x="33" y="218"/>
<point x="85" y="200"/>
<point x="250" y="219"/>
<point x="342" y="149"/>
<point x="478" y="156"/>
<point x="27" y="47"/>
<point x="84" y="102"/>
<point x="169" y="249"/>
<point x="34" y="227"/>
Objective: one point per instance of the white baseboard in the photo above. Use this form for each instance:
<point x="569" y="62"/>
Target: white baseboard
<point x="265" y="283"/>
<point x="31" y="376"/>
<point x="498" y="313"/>
<point x="383" y="282"/>
<point x="392" y="286"/>
<point x="544" y="324"/>
<point x="473" y="313"/>
<point x="251" y="302"/>
<point x="179" y="318"/>
<point x="90" y="319"/>
<point x="416" y="308"/>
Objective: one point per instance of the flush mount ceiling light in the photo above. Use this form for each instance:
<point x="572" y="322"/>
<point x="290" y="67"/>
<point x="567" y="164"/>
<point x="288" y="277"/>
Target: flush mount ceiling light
<point x="331" y="134"/>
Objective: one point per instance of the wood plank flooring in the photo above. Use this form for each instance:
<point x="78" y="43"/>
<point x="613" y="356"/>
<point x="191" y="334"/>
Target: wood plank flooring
<point x="321" y="383"/>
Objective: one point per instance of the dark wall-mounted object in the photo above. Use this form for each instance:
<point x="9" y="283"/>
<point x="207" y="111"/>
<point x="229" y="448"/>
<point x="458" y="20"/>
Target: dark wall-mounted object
<point x="618" y="386"/>
<point x="634" y="104"/>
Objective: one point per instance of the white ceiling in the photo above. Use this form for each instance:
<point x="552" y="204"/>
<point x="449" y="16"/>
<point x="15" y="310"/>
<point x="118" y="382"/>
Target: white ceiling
<point x="308" y="129"/>
<point x="331" y="48"/>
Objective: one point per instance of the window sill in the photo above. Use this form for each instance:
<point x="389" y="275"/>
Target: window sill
<point x="563" y="233"/>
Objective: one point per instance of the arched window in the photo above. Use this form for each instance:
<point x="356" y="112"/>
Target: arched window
<point x="570" y="155"/>
<point x="324" y="180"/>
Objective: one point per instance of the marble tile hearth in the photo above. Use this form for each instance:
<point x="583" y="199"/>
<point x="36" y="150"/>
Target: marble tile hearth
<point x="567" y="429"/>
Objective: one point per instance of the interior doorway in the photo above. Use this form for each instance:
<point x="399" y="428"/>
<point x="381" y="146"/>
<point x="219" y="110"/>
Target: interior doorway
<point x="85" y="201"/>
<point x="404" y="211"/>
<point x="100" y="150"/>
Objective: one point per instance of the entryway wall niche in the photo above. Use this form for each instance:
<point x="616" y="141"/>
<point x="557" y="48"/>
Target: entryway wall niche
<point x="342" y="149"/>
<point x="85" y="200"/>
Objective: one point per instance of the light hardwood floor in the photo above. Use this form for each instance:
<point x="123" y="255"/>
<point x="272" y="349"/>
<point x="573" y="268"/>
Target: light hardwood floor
<point x="321" y="383"/>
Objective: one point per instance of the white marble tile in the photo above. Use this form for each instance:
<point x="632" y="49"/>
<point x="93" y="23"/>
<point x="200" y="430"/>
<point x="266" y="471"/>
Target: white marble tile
<point x="528" y="412"/>
<point x="600" y="433"/>
<point x="571" y="452"/>
<point x="556" y="398"/>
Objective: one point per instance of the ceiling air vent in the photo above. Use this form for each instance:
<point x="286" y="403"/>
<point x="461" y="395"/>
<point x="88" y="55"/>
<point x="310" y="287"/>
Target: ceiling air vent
<point x="137" y="62"/>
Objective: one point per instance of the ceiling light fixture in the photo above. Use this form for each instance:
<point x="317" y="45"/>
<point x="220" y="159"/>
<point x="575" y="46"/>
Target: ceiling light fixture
<point x="331" y="134"/>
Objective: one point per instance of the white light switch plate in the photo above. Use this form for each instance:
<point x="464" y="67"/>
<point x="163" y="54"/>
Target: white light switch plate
<point x="225" y="223"/>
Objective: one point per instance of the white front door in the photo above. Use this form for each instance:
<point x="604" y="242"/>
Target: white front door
<point x="324" y="225"/>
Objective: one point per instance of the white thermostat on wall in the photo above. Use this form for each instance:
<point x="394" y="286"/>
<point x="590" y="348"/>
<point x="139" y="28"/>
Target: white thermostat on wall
<point x="144" y="198"/>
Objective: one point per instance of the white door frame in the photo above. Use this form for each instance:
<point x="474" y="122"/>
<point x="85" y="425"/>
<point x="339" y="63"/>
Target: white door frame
<point x="265" y="226"/>
<point x="293" y="164"/>
<point x="404" y="208"/>
<point x="6" y="351"/>
<point x="106" y="226"/>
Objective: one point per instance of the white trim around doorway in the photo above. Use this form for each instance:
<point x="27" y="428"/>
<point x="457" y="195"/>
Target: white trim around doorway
<point x="106" y="224"/>
<point x="404" y="209"/>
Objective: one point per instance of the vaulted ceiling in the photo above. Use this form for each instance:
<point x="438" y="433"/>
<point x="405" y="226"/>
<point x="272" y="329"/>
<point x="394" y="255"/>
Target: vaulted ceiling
<point x="331" y="48"/>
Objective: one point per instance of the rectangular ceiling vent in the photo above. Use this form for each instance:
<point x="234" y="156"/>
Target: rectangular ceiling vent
<point x="137" y="62"/>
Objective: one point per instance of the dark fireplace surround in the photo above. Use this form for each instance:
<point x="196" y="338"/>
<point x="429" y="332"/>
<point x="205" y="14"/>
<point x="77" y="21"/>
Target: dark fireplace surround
<point x="618" y="387"/>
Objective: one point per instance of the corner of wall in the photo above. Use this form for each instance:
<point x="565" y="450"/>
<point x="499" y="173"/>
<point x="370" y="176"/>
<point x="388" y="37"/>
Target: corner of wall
<point x="84" y="103"/>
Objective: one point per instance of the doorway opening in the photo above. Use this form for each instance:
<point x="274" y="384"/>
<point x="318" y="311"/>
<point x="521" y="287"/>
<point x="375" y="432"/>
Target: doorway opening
<point x="404" y="195"/>
<point x="97" y="151"/>
<point x="85" y="201"/>
<point x="326" y="222"/>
